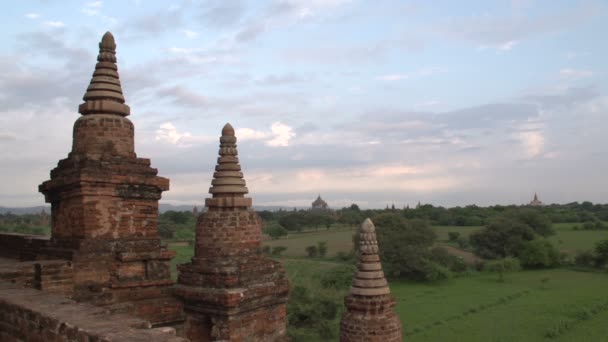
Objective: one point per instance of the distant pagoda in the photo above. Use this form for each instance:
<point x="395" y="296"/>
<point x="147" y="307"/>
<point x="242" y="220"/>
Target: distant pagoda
<point x="536" y="202"/>
<point x="319" y="204"/>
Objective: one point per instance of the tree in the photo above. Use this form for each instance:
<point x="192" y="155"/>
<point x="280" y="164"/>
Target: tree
<point x="275" y="230"/>
<point x="538" y="253"/>
<point x="404" y="246"/>
<point x="322" y="248"/>
<point x="312" y="251"/>
<point x="541" y="224"/>
<point x="501" y="238"/>
<point x="453" y="236"/>
<point x="601" y="253"/>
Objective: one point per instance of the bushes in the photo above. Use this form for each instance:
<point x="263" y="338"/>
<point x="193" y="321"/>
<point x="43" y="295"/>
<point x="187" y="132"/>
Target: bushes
<point x="275" y="230"/>
<point x="453" y="236"/>
<point x="322" y="248"/>
<point x="404" y="246"/>
<point x="312" y="251"/>
<point x="276" y="251"/>
<point x="538" y="253"/>
<point x="503" y="266"/>
<point x="501" y="238"/>
<point x="339" y="277"/>
<point x="307" y="311"/>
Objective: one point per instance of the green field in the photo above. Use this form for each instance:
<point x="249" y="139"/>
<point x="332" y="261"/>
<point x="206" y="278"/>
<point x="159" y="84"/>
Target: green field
<point x="526" y="307"/>
<point x="337" y="241"/>
<point x="557" y="305"/>
<point x="566" y="239"/>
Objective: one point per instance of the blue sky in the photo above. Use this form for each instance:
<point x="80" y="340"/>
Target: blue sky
<point x="372" y="102"/>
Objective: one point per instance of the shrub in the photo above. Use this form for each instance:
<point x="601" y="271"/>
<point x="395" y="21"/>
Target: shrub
<point x="312" y="312"/>
<point x="266" y="250"/>
<point x="453" y="236"/>
<point x="584" y="259"/>
<point x="436" y="272"/>
<point x="278" y="250"/>
<point x="501" y="238"/>
<point x="339" y="277"/>
<point x="441" y="256"/>
<point x="503" y="266"/>
<point x="404" y="246"/>
<point x="601" y="253"/>
<point x="538" y="253"/>
<point x="322" y="248"/>
<point x="275" y="231"/>
<point x="463" y="242"/>
<point x="312" y="251"/>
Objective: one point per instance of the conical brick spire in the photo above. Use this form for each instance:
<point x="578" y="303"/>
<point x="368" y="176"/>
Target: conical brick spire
<point x="370" y="314"/>
<point x="369" y="279"/>
<point x="228" y="186"/>
<point x="104" y="94"/>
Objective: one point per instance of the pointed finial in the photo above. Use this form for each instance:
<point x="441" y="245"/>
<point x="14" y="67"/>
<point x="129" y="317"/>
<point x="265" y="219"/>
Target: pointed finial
<point x="369" y="280"/>
<point x="228" y="130"/>
<point x="228" y="186"/>
<point x="104" y="94"/>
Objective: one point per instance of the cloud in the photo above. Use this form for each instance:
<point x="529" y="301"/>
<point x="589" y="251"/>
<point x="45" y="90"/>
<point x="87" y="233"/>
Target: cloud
<point x="221" y="13"/>
<point x="415" y="74"/>
<point x="279" y="135"/>
<point x="54" y="23"/>
<point x="504" y="31"/>
<point x="32" y="15"/>
<point x="282" y="135"/>
<point x="92" y="8"/>
<point x="532" y="143"/>
<point x="244" y="134"/>
<point x="168" y="133"/>
<point x="575" y="73"/>
<point x="190" y="34"/>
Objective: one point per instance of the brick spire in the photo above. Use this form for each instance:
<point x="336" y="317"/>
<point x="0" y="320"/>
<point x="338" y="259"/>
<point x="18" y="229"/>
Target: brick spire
<point x="228" y="186"/>
<point x="232" y="291"/>
<point x="369" y="279"/>
<point x="104" y="94"/>
<point x="370" y="314"/>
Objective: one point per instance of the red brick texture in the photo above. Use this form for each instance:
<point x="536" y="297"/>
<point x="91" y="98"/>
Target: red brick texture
<point x="231" y="291"/>
<point x="104" y="206"/>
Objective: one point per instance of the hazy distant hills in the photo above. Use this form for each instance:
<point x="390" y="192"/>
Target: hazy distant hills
<point x="163" y="207"/>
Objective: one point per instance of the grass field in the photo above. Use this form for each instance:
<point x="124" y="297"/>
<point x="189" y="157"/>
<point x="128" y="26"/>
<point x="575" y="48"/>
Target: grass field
<point x="551" y="305"/>
<point x="337" y="241"/>
<point x="528" y="306"/>
<point x="566" y="239"/>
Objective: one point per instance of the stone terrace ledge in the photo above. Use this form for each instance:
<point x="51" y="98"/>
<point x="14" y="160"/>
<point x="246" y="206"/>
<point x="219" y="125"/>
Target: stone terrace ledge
<point x="32" y="315"/>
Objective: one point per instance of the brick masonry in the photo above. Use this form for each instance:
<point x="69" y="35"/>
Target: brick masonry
<point x="231" y="291"/>
<point x="104" y="206"/>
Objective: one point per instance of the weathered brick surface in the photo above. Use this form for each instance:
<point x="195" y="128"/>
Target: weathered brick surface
<point x="104" y="206"/>
<point x="230" y="290"/>
<point x="370" y="314"/>
<point x="30" y="315"/>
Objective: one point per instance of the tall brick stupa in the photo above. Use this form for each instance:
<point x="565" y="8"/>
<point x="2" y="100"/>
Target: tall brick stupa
<point x="104" y="204"/>
<point x="231" y="291"/>
<point x="370" y="314"/>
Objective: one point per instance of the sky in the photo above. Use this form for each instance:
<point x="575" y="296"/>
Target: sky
<point x="370" y="102"/>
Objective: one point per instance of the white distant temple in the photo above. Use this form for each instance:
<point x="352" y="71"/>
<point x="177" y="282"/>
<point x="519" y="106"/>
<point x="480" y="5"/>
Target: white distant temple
<point x="535" y="202"/>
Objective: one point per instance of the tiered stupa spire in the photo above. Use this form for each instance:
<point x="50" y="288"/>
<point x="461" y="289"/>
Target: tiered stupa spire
<point x="233" y="292"/>
<point x="369" y="315"/>
<point x="105" y="206"/>
<point x="228" y="186"/>
<point x="369" y="279"/>
<point x="104" y="94"/>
